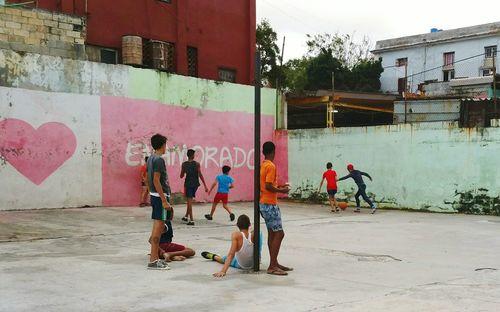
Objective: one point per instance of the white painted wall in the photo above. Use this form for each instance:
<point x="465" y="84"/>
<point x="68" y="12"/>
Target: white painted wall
<point x="423" y="58"/>
<point x="78" y="180"/>
<point x="413" y="166"/>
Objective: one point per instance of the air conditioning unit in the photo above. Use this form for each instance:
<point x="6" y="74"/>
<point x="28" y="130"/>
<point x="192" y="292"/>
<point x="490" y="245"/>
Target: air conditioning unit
<point x="159" y="55"/>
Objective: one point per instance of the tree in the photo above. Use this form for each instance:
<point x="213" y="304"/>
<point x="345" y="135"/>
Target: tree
<point x="319" y="71"/>
<point x="266" y="39"/>
<point x="352" y="63"/>
<point x="295" y="74"/>
<point x="343" y="47"/>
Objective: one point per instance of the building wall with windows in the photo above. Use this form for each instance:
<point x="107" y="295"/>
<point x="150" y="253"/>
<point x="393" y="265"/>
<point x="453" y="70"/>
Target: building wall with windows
<point x="428" y="56"/>
<point x="211" y="39"/>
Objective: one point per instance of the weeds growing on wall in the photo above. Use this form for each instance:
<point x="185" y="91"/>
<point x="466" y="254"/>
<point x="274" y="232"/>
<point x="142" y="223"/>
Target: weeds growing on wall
<point x="477" y="202"/>
<point x="307" y="192"/>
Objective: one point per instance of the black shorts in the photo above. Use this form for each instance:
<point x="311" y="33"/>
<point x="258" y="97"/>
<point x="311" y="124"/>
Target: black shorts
<point x="158" y="212"/>
<point x="332" y="193"/>
<point x="190" y="192"/>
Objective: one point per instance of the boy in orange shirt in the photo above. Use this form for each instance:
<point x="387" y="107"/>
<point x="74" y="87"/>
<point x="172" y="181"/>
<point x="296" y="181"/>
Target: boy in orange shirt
<point x="270" y="210"/>
<point x="331" y="185"/>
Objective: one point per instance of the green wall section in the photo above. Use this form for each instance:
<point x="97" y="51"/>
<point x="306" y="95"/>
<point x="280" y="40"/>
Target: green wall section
<point x="197" y="93"/>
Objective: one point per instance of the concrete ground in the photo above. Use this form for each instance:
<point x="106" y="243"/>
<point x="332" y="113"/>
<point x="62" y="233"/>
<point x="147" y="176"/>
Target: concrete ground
<point x="95" y="259"/>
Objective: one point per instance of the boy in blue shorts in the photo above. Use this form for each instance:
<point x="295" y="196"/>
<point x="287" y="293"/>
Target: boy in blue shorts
<point x="159" y="191"/>
<point x="225" y="183"/>
<point x="240" y="255"/>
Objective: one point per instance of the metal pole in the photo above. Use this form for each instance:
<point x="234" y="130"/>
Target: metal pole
<point x="495" y="83"/>
<point x="333" y="99"/>
<point x="256" y="209"/>
<point x="278" y="86"/>
<point x="406" y="89"/>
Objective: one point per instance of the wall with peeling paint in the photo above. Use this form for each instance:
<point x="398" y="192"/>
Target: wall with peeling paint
<point x="419" y="166"/>
<point x="73" y="133"/>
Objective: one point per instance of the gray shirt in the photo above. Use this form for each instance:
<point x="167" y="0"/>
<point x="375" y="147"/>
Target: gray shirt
<point x="157" y="164"/>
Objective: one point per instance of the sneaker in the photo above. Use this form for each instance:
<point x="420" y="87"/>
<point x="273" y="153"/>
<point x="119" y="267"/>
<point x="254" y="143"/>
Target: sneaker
<point x="232" y="216"/>
<point x="158" y="265"/>
<point x="357" y="210"/>
<point x="190" y="223"/>
<point x="208" y="255"/>
<point x="208" y="217"/>
<point x="373" y="210"/>
<point x="185" y="219"/>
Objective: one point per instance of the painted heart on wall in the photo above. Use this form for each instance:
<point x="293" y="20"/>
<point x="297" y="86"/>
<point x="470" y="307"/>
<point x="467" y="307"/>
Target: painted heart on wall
<point x="36" y="153"/>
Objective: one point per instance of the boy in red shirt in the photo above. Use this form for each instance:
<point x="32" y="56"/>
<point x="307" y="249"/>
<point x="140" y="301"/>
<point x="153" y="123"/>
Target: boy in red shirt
<point x="331" y="185"/>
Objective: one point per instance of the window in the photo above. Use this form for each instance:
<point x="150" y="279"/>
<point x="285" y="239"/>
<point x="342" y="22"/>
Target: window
<point x="228" y="75"/>
<point x="109" y="56"/>
<point x="402" y="62"/>
<point x="192" y="59"/>
<point x="448" y="75"/>
<point x="166" y="1"/>
<point x="449" y="58"/>
<point x="490" y="51"/>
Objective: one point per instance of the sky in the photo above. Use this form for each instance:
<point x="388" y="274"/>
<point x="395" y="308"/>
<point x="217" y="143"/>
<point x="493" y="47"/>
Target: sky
<point x="378" y="20"/>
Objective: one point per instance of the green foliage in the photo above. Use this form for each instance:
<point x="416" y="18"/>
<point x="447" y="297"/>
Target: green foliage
<point x="295" y="74"/>
<point x="270" y="53"/>
<point x="351" y="62"/>
<point x="477" y="202"/>
<point x="307" y="192"/>
<point x="343" y="47"/>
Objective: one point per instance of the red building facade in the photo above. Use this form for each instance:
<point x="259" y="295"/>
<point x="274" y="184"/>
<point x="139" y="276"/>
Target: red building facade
<point x="218" y="34"/>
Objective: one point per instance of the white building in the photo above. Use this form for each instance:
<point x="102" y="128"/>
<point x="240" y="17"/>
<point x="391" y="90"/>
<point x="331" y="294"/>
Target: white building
<point x="438" y="56"/>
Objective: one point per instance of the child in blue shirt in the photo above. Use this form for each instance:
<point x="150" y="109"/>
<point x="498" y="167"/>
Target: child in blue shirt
<point x="225" y="183"/>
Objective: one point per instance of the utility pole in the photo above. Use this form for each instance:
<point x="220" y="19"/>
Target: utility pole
<point x="278" y="86"/>
<point x="330" y="106"/>
<point x="406" y="90"/>
<point x="256" y="195"/>
<point x="495" y="84"/>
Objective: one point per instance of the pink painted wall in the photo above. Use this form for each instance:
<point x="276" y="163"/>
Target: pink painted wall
<point x="219" y="138"/>
<point x="281" y="159"/>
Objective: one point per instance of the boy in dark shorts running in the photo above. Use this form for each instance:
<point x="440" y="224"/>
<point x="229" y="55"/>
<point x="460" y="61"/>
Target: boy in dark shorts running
<point x="331" y="185"/>
<point x="356" y="175"/>
<point x="225" y="183"/>
<point x="159" y="191"/>
<point x="270" y="210"/>
<point x="191" y="169"/>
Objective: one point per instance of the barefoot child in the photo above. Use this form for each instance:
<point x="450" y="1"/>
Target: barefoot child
<point x="240" y="254"/>
<point x="170" y="251"/>
<point x="331" y="185"/>
<point x="225" y="183"/>
<point x="356" y="175"/>
<point x="270" y="210"/>
<point x="159" y="194"/>
<point x="191" y="169"/>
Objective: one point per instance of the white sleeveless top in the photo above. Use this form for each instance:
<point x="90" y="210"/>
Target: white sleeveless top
<point x="244" y="256"/>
